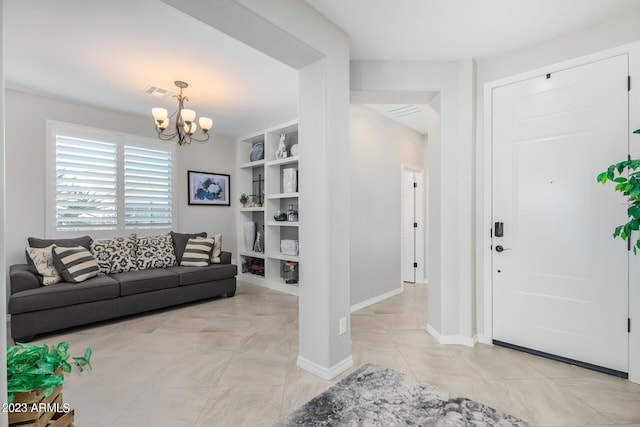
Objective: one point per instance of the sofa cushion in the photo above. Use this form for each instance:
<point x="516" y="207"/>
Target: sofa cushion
<point x="180" y="242"/>
<point x="42" y="260"/>
<point x="137" y="282"/>
<point x="75" y="264"/>
<point x="217" y="249"/>
<point x="195" y="275"/>
<point x="155" y="252"/>
<point x="198" y="252"/>
<point x="116" y="255"/>
<point x="84" y="241"/>
<point x="64" y="294"/>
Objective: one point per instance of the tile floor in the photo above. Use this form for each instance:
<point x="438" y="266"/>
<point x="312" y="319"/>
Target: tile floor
<point x="231" y="362"/>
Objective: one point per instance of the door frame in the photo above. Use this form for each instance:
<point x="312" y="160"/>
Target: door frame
<point x="422" y="223"/>
<point x="484" y="188"/>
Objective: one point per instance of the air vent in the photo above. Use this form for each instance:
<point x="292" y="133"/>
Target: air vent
<point x="405" y="110"/>
<point x="158" y="91"/>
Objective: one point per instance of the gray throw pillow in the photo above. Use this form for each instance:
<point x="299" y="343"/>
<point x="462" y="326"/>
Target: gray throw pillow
<point x="84" y="241"/>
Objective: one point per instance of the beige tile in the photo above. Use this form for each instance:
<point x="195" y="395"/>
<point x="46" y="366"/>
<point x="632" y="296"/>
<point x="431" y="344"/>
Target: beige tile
<point x="435" y="367"/>
<point x="544" y="403"/>
<point x="255" y="368"/>
<point x="414" y="341"/>
<point x="616" y="399"/>
<point x="98" y="407"/>
<point x="242" y="405"/>
<point x="402" y="321"/>
<point x="177" y="407"/>
<point x="241" y="353"/>
<point x="193" y="370"/>
<point x="267" y="342"/>
<point x="498" y="363"/>
<point x="370" y="339"/>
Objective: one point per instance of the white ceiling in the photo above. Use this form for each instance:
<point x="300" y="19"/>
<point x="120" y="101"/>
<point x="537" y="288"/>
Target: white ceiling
<point x="413" y="116"/>
<point x="446" y="30"/>
<point x="105" y="53"/>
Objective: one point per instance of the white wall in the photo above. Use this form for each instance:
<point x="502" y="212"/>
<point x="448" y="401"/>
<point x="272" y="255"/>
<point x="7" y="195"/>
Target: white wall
<point x="450" y="165"/>
<point x="379" y="146"/>
<point x="216" y="155"/>
<point x="26" y="116"/>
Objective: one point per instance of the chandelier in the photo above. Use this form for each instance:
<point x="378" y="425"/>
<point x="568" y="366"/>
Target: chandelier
<point x="185" y="125"/>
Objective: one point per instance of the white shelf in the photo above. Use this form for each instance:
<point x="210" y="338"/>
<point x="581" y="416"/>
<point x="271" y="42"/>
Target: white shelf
<point x="285" y="161"/>
<point x="252" y="254"/>
<point x="252" y="164"/>
<point x="272" y="232"/>
<point x="283" y="224"/>
<point x="283" y="196"/>
<point x="283" y="257"/>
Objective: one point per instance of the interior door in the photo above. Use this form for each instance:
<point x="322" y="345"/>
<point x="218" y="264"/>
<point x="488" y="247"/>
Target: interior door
<point x="408" y="229"/>
<point x="560" y="284"/>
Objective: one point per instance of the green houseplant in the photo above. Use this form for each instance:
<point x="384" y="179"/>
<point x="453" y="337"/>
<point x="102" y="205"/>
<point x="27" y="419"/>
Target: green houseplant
<point x="629" y="185"/>
<point x="31" y="367"/>
<point x="244" y="199"/>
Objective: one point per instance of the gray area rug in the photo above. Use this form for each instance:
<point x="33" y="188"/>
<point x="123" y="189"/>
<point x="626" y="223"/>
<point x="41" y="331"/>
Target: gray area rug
<point x="377" y="396"/>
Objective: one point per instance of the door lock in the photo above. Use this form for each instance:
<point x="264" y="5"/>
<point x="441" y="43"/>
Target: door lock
<point x="500" y="248"/>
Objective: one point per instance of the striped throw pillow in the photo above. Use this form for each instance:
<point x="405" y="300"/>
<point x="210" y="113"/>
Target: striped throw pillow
<point x="76" y="264"/>
<point x="198" y="252"/>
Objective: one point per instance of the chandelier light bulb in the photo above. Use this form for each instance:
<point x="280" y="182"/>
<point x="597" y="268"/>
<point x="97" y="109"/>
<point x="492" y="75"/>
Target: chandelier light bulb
<point x="205" y="124"/>
<point x="159" y="114"/>
<point x="190" y="128"/>
<point x="164" y="123"/>
<point x="188" y="115"/>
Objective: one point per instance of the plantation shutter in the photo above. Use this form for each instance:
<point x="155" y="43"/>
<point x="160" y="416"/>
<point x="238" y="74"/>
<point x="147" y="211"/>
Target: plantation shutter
<point x="86" y="185"/>
<point x="147" y="188"/>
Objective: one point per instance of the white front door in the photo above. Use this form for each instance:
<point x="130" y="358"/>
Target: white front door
<point x="560" y="286"/>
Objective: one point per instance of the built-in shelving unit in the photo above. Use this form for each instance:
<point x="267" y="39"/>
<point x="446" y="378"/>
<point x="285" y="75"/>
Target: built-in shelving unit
<point x="263" y="180"/>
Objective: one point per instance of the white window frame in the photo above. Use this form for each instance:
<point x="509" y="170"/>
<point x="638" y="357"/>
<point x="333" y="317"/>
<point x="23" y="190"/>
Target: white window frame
<point x="55" y="128"/>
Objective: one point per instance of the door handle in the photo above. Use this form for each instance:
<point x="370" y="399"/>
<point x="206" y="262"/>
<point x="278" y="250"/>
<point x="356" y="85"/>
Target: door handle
<point x="500" y="248"/>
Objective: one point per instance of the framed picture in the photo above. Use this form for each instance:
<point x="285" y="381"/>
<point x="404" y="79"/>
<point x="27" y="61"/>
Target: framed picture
<point x="207" y="188"/>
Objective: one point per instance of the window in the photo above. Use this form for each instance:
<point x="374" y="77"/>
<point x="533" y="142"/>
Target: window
<point x="103" y="183"/>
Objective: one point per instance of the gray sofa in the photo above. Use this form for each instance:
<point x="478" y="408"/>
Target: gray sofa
<point x="37" y="309"/>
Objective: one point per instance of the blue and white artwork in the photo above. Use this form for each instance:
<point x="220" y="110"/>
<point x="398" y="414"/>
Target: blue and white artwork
<point x="209" y="188"/>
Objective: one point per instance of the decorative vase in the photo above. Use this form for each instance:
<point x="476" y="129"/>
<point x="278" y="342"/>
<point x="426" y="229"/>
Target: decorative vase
<point x="281" y="151"/>
<point x="257" y="246"/>
<point x="289" y="180"/>
<point x="249" y="235"/>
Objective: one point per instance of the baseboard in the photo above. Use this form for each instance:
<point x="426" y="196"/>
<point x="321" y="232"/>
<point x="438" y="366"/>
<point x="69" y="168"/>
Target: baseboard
<point x="482" y="339"/>
<point x="377" y="299"/>
<point x="452" y="339"/>
<point x="321" y="371"/>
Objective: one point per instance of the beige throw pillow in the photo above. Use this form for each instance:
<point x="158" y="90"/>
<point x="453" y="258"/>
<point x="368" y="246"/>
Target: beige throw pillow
<point x="42" y="259"/>
<point x="217" y="249"/>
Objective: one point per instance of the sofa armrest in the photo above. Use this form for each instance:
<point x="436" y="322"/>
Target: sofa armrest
<point x="23" y="277"/>
<point x="225" y="257"/>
